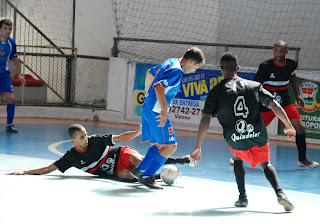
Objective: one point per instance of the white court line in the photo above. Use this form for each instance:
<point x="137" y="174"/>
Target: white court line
<point x="53" y="147"/>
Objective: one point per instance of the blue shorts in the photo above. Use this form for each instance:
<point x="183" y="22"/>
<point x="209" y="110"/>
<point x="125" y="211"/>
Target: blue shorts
<point x="5" y="83"/>
<point x="151" y="132"/>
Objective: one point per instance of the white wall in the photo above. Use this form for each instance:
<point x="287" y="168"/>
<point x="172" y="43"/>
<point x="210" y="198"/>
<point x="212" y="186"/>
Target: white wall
<point x="94" y="29"/>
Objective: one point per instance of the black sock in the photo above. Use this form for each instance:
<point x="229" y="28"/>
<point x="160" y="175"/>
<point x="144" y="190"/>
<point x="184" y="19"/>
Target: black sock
<point x="271" y="175"/>
<point x="157" y="176"/>
<point x="239" y="172"/>
<point x="179" y="160"/>
<point x="301" y="146"/>
<point x="171" y="160"/>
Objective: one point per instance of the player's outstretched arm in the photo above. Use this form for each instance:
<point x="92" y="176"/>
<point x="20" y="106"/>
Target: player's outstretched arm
<point x="127" y="136"/>
<point x="37" y="171"/>
<point x="202" y="131"/>
<point x="281" y="114"/>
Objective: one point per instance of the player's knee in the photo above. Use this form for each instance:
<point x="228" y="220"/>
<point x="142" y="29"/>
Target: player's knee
<point x="135" y="159"/>
<point x="172" y="149"/>
<point x="125" y="175"/>
<point x="300" y="129"/>
<point x="263" y="165"/>
<point x="11" y="99"/>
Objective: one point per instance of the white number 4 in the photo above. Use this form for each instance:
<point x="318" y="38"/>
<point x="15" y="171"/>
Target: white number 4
<point x="240" y="108"/>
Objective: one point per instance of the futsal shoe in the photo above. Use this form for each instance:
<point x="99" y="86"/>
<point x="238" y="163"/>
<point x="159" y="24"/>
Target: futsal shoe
<point x="11" y="129"/>
<point x="284" y="201"/>
<point x="242" y="202"/>
<point x="231" y="161"/>
<point x="308" y="163"/>
<point x="150" y="183"/>
<point x="136" y="173"/>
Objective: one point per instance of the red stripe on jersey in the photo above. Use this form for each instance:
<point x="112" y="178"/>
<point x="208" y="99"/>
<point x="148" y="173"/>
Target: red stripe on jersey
<point x="80" y="150"/>
<point x="99" y="164"/>
<point x="285" y="62"/>
<point x="273" y="89"/>
<point x="231" y="77"/>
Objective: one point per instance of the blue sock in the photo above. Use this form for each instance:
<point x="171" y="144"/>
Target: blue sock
<point x="145" y="163"/>
<point x="10" y="113"/>
<point x="157" y="162"/>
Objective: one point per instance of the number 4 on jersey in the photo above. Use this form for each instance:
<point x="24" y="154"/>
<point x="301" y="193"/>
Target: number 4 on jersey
<point x="240" y="108"/>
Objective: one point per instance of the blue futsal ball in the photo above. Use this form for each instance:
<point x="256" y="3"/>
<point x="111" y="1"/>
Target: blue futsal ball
<point x="169" y="174"/>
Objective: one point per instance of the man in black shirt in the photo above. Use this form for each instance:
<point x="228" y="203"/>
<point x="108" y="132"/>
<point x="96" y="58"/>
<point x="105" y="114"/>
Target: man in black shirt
<point x="235" y="102"/>
<point x="275" y="75"/>
<point x="97" y="155"/>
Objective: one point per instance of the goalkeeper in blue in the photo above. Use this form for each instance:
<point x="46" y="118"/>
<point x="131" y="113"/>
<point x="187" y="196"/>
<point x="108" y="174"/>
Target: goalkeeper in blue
<point x="161" y="85"/>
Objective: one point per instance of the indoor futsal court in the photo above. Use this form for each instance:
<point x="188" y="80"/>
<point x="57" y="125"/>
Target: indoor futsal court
<point x="204" y="194"/>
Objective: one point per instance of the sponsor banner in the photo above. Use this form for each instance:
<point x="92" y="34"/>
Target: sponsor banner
<point x="188" y="104"/>
<point x="189" y="111"/>
<point x="310" y="113"/>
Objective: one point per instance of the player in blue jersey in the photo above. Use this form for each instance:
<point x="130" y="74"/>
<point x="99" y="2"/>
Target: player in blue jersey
<point x="161" y="85"/>
<point x="235" y="102"/>
<point x="8" y="51"/>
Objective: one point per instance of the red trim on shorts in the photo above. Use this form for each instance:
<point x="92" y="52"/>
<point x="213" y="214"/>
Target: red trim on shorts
<point x="291" y="111"/>
<point x="254" y="155"/>
<point x="124" y="159"/>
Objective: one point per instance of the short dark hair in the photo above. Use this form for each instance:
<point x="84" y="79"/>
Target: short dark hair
<point x="6" y="22"/>
<point x="229" y="63"/>
<point x="73" y="129"/>
<point x="195" y="54"/>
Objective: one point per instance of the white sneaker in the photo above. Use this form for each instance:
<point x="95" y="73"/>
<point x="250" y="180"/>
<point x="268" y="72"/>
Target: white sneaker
<point x="308" y="163"/>
<point x="231" y="161"/>
<point x="284" y="201"/>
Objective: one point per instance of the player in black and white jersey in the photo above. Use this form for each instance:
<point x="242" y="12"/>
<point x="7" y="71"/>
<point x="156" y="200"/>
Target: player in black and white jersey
<point x="235" y="102"/>
<point x="98" y="155"/>
<point x="276" y="75"/>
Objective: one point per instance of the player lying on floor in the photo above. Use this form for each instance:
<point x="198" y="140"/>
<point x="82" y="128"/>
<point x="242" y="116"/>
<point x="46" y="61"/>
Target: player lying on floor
<point x="96" y="154"/>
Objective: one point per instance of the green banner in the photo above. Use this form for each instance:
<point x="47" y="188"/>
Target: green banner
<point x="310" y="113"/>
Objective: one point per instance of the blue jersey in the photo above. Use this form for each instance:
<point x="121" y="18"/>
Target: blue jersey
<point x="168" y="75"/>
<point x="8" y="51"/>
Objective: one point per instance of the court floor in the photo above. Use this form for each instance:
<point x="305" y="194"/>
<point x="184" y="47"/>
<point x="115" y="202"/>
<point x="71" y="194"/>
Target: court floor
<point x="205" y="193"/>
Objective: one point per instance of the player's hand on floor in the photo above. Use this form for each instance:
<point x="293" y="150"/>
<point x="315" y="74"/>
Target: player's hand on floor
<point x="16" y="173"/>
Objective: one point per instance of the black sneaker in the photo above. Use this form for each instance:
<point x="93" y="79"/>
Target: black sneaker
<point x="284" y="201"/>
<point x="11" y="129"/>
<point x="136" y="173"/>
<point x="150" y="183"/>
<point x="242" y="202"/>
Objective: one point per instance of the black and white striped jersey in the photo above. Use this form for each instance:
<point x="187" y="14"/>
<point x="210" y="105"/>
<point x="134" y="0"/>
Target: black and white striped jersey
<point x="99" y="158"/>
<point x="275" y="78"/>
